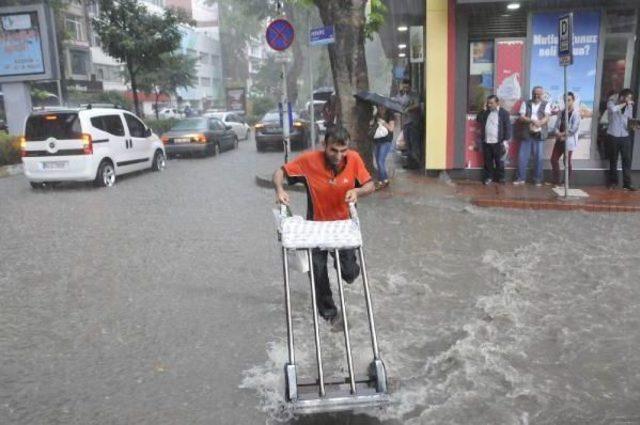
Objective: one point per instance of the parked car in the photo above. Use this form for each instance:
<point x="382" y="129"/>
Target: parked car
<point x="237" y="123"/>
<point x="268" y="133"/>
<point x="84" y="144"/>
<point x="202" y="135"/>
<point x="166" y="113"/>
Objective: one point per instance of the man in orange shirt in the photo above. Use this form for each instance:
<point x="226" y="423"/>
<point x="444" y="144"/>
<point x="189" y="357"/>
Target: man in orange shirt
<point x="334" y="177"/>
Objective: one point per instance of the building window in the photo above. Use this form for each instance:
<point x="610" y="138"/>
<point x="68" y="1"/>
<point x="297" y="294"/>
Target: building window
<point x="73" y="25"/>
<point x="205" y="82"/>
<point x="79" y="62"/>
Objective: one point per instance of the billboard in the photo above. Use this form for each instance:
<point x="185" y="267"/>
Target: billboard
<point x="26" y="47"/>
<point x="547" y="72"/>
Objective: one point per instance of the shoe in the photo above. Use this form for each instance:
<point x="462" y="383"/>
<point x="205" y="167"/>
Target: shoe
<point x="352" y="279"/>
<point x="385" y="183"/>
<point x="630" y="188"/>
<point x="487" y="182"/>
<point x="518" y="182"/>
<point x="327" y="308"/>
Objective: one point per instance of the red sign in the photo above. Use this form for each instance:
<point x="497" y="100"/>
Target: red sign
<point x="280" y="34"/>
<point x="509" y="78"/>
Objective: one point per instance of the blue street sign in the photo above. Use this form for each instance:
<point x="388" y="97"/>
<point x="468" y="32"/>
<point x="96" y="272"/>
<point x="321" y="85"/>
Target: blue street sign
<point x="280" y="34"/>
<point x="565" y="39"/>
<point x="322" y="36"/>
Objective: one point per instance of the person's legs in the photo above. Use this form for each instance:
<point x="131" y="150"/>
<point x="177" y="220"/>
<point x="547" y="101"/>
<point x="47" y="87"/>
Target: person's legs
<point x="348" y="264"/>
<point x="538" y="152"/>
<point x="376" y="156"/>
<point x="555" y="161"/>
<point x="625" y="152"/>
<point x="498" y="163"/>
<point x="524" y="152"/>
<point x="613" y="160"/>
<point x="324" y="298"/>
<point x="570" y="164"/>
<point x="385" y="148"/>
<point x="488" y="169"/>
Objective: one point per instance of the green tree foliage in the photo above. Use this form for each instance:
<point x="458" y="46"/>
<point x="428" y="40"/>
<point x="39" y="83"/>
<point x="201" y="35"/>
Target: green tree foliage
<point x="136" y="37"/>
<point x="177" y="71"/>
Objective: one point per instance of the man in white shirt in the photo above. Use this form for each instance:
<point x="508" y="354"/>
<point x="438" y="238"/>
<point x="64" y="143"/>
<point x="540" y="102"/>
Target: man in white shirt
<point x="620" y="111"/>
<point x="495" y="128"/>
<point x="535" y="114"/>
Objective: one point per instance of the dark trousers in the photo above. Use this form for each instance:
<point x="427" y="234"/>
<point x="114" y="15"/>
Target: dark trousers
<point x="415" y="146"/>
<point x="558" y="152"/>
<point x="620" y="146"/>
<point x="493" y="165"/>
<point x="348" y="265"/>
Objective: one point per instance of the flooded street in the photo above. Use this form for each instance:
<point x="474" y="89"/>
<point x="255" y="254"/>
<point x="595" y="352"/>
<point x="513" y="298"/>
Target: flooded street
<point x="160" y="301"/>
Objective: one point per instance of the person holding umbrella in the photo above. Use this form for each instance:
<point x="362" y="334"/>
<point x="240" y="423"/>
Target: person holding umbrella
<point x="383" y="125"/>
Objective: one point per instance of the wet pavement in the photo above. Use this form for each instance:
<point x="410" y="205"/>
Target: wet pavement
<point x="159" y="301"/>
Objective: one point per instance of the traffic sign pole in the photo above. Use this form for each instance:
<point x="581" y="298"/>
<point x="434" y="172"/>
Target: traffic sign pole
<point x="312" y="106"/>
<point x="565" y="53"/>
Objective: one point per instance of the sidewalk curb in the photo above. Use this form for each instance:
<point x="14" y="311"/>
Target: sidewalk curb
<point x="11" y="170"/>
<point x="265" y="181"/>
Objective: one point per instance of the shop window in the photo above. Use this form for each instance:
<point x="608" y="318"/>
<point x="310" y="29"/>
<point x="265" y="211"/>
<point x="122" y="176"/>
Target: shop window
<point x="481" y="73"/>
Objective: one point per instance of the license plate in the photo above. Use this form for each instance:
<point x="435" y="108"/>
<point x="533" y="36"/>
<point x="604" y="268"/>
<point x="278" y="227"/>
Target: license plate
<point x="55" y="165"/>
<point x="182" y="140"/>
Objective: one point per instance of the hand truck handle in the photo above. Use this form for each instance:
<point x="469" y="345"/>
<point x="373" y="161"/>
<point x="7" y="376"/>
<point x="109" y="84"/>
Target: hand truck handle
<point x="352" y="211"/>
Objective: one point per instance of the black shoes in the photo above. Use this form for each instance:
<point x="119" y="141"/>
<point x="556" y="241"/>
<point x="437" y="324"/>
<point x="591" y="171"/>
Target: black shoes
<point x="327" y="308"/>
<point x="351" y="279"/>
<point x="630" y="188"/>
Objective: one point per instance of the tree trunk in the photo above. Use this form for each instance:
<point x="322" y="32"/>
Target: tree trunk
<point x="157" y="100"/>
<point x="349" y="68"/>
<point x="134" y="88"/>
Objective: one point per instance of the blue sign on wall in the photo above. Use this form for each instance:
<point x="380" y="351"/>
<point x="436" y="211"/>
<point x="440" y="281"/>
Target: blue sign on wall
<point x="322" y="36"/>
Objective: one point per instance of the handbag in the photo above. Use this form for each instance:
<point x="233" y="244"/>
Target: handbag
<point x="381" y="132"/>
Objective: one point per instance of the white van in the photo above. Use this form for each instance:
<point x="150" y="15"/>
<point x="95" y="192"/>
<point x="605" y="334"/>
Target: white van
<point x="88" y="144"/>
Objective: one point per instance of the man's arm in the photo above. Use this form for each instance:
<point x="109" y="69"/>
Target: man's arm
<point x="507" y="126"/>
<point x="353" y="195"/>
<point x="282" y="197"/>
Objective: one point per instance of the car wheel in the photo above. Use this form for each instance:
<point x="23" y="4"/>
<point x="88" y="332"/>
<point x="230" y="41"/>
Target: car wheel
<point x="159" y="161"/>
<point x="36" y="185"/>
<point x="106" y="175"/>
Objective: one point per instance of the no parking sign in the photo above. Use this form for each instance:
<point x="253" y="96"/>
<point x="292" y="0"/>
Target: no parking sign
<point x="280" y="34"/>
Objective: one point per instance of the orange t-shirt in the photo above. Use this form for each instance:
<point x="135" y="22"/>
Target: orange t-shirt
<point x="325" y="189"/>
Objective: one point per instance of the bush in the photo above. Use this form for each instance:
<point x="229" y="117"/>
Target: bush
<point x="9" y="149"/>
<point x="162" y="125"/>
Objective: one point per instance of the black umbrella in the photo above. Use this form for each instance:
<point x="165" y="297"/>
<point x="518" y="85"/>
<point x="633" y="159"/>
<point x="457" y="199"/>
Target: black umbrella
<point x="323" y="93"/>
<point x="378" y="99"/>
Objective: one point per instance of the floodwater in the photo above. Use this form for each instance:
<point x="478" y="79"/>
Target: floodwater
<point x="160" y="301"/>
<point x="483" y="316"/>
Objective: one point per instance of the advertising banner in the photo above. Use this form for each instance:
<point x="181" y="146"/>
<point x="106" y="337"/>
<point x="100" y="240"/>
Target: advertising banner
<point x="509" y="67"/>
<point x="547" y="72"/>
<point x="20" y="45"/>
<point x="236" y="99"/>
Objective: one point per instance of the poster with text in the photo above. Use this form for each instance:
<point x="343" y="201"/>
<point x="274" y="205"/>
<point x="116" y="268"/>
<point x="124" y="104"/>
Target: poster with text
<point x="547" y="72"/>
<point x="20" y="45"/>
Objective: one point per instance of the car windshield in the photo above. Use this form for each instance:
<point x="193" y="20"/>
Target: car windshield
<point x="271" y="116"/>
<point x="190" y="124"/>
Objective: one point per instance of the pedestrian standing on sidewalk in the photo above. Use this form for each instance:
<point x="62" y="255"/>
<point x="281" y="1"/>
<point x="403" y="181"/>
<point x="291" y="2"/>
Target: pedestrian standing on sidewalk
<point x="383" y="121"/>
<point x="535" y="114"/>
<point x="411" y="124"/>
<point x="620" y="111"/>
<point x="495" y="128"/>
<point x="564" y="135"/>
<point x="334" y="178"/>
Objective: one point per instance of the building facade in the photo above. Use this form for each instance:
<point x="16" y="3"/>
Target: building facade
<point x="478" y="47"/>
